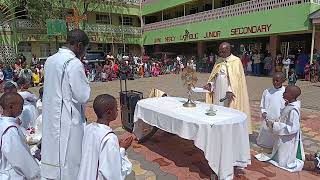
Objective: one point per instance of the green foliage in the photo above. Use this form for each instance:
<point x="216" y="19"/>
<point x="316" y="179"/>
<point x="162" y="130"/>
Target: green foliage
<point x="37" y="10"/>
<point x="41" y="10"/>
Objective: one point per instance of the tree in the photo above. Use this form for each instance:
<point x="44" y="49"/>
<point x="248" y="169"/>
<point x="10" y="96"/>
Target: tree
<point x="41" y="10"/>
<point x="9" y="11"/>
<point x="37" y="10"/>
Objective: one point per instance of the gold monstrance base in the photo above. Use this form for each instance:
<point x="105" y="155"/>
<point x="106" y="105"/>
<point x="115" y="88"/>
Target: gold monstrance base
<point x="189" y="103"/>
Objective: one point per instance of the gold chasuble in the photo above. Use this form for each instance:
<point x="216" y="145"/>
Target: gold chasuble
<point x="238" y="85"/>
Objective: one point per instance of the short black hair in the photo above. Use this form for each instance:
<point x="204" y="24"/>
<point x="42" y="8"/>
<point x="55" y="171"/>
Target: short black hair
<point x="8" y="99"/>
<point x="76" y="36"/>
<point x="101" y="102"/>
<point x="21" y="81"/>
<point x="9" y="85"/>
<point x="295" y="90"/>
<point x="279" y="74"/>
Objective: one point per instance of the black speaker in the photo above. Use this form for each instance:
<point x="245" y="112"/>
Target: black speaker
<point x="128" y="102"/>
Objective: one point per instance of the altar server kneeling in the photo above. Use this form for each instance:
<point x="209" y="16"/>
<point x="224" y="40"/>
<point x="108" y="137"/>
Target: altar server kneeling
<point x="271" y="104"/>
<point x="102" y="157"/>
<point x="16" y="161"/>
<point x="287" y="152"/>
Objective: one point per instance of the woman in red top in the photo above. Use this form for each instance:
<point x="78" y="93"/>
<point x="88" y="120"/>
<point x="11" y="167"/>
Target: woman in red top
<point x="116" y="69"/>
<point x="245" y="59"/>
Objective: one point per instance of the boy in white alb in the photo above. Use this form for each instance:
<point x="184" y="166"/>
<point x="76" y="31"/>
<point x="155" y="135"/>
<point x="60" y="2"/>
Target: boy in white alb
<point x="271" y="104"/>
<point x="29" y="113"/>
<point x="102" y="158"/>
<point x="287" y="152"/>
<point x="16" y="161"/>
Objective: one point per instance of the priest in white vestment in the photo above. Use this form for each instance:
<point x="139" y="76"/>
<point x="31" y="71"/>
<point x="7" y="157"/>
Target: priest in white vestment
<point x="227" y="83"/>
<point x="287" y="152"/>
<point x="271" y="104"/>
<point x="66" y="91"/>
<point x="16" y="161"/>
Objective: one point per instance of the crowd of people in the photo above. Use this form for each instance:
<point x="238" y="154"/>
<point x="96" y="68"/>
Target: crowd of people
<point x="295" y="65"/>
<point x="132" y="68"/>
<point x="20" y="69"/>
<point x="68" y="143"/>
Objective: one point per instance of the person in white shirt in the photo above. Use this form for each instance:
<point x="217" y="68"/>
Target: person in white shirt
<point x="286" y="65"/>
<point x="16" y="161"/>
<point x="103" y="156"/>
<point x="271" y="104"/>
<point x="66" y="91"/>
<point x="29" y="113"/>
<point x="287" y="152"/>
<point x="38" y="122"/>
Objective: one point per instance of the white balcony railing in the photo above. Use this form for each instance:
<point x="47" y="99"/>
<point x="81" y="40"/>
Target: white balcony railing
<point x="23" y="24"/>
<point x="101" y="28"/>
<point x="134" y="2"/>
<point x="149" y="1"/>
<point x="29" y="24"/>
<point x="137" y="2"/>
<point x="224" y="12"/>
<point x="5" y="27"/>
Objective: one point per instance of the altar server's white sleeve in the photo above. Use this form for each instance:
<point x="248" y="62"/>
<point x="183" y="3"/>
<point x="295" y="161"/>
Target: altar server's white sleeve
<point x="292" y="125"/>
<point x="79" y="83"/>
<point x="113" y="163"/>
<point x="263" y="102"/>
<point x="18" y="156"/>
<point x="32" y="97"/>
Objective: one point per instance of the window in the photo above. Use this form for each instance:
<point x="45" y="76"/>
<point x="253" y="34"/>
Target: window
<point x="100" y="47"/>
<point x="103" y="19"/>
<point x="128" y="21"/>
<point x="227" y="3"/>
<point x="194" y="10"/>
<point x="166" y="16"/>
<point x="24" y="47"/>
<point x="179" y="13"/>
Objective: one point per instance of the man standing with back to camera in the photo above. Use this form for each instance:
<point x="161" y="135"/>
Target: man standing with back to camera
<point x="66" y="91"/>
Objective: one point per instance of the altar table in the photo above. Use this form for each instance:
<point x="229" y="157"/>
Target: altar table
<point x="223" y="138"/>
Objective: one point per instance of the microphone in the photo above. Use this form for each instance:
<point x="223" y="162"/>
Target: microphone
<point x="223" y="99"/>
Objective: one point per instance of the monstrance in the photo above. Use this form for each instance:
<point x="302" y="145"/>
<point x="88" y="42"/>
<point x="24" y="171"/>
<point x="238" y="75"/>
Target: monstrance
<point x="190" y="79"/>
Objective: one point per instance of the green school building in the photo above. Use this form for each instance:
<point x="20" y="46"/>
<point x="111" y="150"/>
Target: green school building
<point x="190" y="27"/>
<point x="197" y="27"/>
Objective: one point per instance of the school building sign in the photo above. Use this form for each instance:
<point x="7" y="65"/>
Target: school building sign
<point x="249" y="25"/>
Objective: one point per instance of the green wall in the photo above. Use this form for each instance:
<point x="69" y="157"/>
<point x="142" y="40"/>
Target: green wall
<point x="160" y="5"/>
<point x="280" y="20"/>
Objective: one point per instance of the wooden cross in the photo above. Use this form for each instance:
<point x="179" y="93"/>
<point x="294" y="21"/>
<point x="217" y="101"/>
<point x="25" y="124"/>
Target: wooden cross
<point x="76" y="18"/>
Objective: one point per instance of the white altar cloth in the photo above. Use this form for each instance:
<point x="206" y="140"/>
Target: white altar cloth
<point x="223" y="138"/>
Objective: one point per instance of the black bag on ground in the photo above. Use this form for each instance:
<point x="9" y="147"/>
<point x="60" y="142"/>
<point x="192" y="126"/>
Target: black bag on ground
<point x="128" y="101"/>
